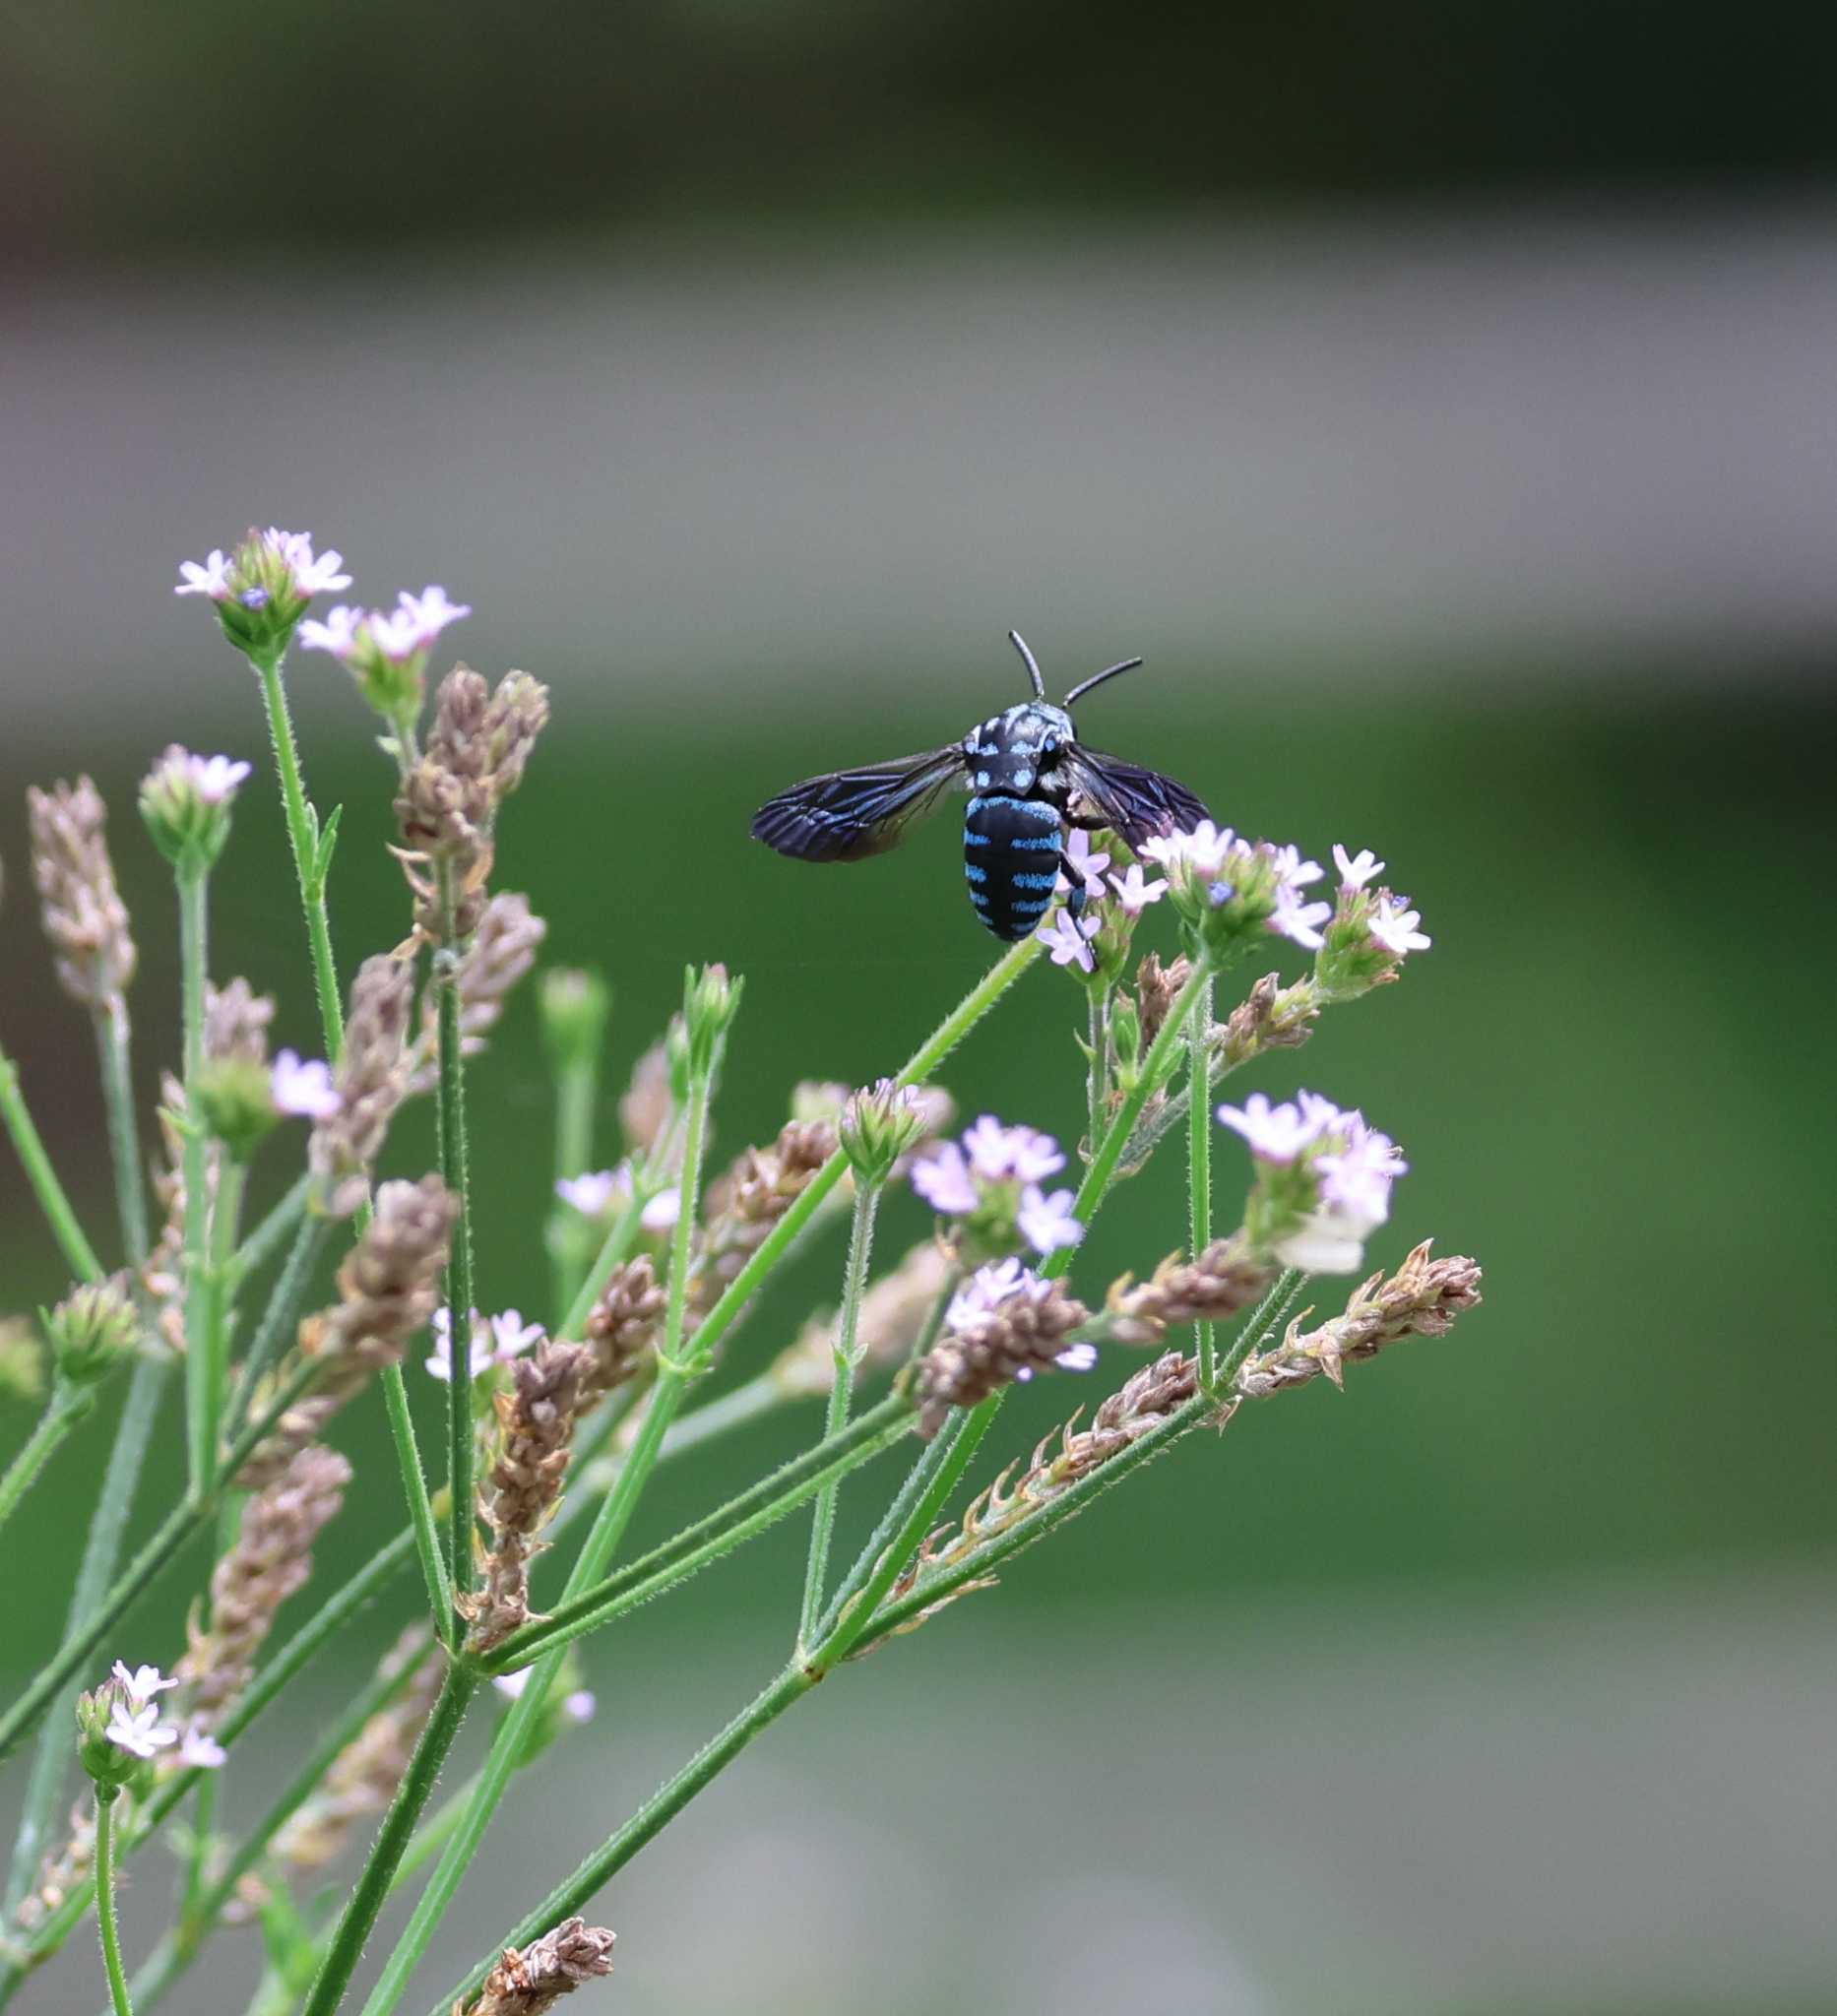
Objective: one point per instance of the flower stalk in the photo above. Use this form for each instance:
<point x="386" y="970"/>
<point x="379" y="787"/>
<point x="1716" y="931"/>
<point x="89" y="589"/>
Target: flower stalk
<point x="110" y="1925"/>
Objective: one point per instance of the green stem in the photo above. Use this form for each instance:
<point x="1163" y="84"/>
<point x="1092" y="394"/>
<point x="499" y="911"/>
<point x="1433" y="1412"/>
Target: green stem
<point x="79" y="1254"/>
<point x="200" y="1415"/>
<point x="214" y="1292"/>
<point x="1097" y="1071"/>
<point x="682" y="1238"/>
<point x="66" y="1407"/>
<point x="841" y="1393"/>
<point x="279" y="1316"/>
<point x="303" y="838"/>
<point x="741" y="1520"/>
<point x="181" y="1523"/>
<point x="1195" y="1412"/>
<point x="420" y="1508"/>
<point x="264" y="1242"/>
<point x="644" y="1826"/>
<point x="101" y="1549"/>
<point x="1199" y="1164"/>
<point x="358" y="1918"/>
<point x="454" y="1168"/>
<point x="106" y="1900"/>
<point x="124" y="1149"/>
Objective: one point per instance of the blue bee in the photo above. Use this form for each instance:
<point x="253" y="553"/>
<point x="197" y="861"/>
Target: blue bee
<point x="1030" y="781"/>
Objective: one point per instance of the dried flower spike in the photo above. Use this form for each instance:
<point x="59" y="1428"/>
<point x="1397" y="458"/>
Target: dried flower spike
<point x="527" y="1982"/>
<point x="388" y="1289"/>
<point x="1421" y="1299"/>
<point x="1003" y="1324"/>
<point x="371" y="1080"/>
<point x="271" y="1559"/>
<point x="1223" y="1279"/>
<point x="749" y="1199"/>
<point x="83" y="916"/>
<point x="622" y="1329"/>
<point x="536" y="1427"/>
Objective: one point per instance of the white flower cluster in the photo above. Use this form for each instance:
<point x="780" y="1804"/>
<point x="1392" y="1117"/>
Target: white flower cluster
<point x="601" y="1192"/>
<point x="1001" y="1168"/>
<point x="1348" y="1168"/>
<point x="494" y="1340"/>
<point x="134" y="1722"/>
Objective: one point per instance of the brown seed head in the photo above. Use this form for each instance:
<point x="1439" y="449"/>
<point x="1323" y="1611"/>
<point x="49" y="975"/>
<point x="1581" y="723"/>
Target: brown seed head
<point x="749" y="1199"/>
<point x="271" y="1558"/>
<point x="1004" y="1322"/>
<point x="1221" y="1281"/>
<point x="623" y="1328"/>
<point x="372" y="1078"/>
<point x="1157" y="988"/>
<point x="388" y="1288"/>
<point x="535" y="1428"/>
<point x="83" y="916"/>
<point x="1271" y="1016"/>
<point x="1421" y="1299"/>
<point x="646" y="1108"/>
<point x="530" y="1981"/>
<point x="236" y="1023"/>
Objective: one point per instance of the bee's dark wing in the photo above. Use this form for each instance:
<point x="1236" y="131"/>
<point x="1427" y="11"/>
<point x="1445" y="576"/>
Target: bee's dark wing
<point x="852" y="813"/>
<point x="1137" y="803"/>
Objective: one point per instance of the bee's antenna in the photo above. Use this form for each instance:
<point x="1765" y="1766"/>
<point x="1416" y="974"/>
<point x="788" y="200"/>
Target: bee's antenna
<point x="1097" y="680"/>
<point x="1027" y="658"/>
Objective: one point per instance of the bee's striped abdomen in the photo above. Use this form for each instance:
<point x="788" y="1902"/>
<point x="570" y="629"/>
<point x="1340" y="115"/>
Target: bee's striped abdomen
<point x="1011" y="861"/>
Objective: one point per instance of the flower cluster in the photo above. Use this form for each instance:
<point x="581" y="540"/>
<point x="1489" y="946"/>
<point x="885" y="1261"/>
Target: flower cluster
<point x="494" y="1340"/>
<point x="120" y="1732"/>
<point x="601" y="1194"/>
<point x="1230" y="890"/>
<point x="1003" y="1324"/>
<point x="263" y="588"/>
<point x="1090" y="929"/>
<point x="1370" y="934"/>
<point x="1323" y="1180"/>
<point x="185" y="800"/>
<point x="992" y="1184"/>
<point x="385" y="651"/>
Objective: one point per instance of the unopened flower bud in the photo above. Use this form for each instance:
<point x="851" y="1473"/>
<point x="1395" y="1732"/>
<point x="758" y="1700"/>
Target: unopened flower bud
<point x="575" y="1004"/>
<point x="90" y="1328"/>
<point x="235" y="1099"/>
<point x="185" y="802"/>
<point x="878" y="1125"/>
<point x="709" y="1000"/>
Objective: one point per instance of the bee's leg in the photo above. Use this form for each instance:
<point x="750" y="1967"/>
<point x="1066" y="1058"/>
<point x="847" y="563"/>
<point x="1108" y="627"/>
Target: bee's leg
<point x="1074" y="903"/>
<point x="1087" y="822"/>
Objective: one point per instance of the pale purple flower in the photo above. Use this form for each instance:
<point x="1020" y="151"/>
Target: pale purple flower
<point x="430" y="611"/>
<point x="1046" y="1222"/>
<point x="137" y="1728"/>
<point x="198" y="1750"/>
<point x="1276" y="1133"/>
<point x="1088" y="866"/>
<point x="942" y="1179"/>
<point x="303" y="1089"/>
<point x="337" y="634"/>
<point x="1293" y="916"/>
<point x="204" y="780"/>
<point x="578" y="1705"/>
<point x="481" y="1352"/>
<point x="511" y="1335"/>
<point x="997" y="1153"/>
<point x="1201" y="854"/>
<point x="143" y="1683"/>
<point x="593" y="1194"/>
<point x="1134" y="891"/>
<point x="1356" y="1177"/>
<point x="660" y="1212"/>
<point x="1077" y="1358"/>
<point x="988" y="1287"/>
<point x="324" y="575"/>
<point x="511" y="1685"/>
<point x="1358" y="869"/>
<point x="1394" y="925"/>
<point x="1068" y="939"/>
<point x="211" y="578"/>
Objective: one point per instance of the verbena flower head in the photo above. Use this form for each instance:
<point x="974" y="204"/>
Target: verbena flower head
<point x="575" y="1003"/>
<point x="263" y="588"/>
<point x="1089" y="864"/>
<point x="1230" y="891"/>
<point x="990" y="1185"/>
<point x="1324" y="1178"/>
<point x="118" y="1728"/>
<point x="1370" y="934"/>
<point x="1068" y="939"/>
<point x="1134" y="891"/>
<point x="1002" y="1325"/>
<point x="386" y="651"/>
<point x="185" y="800"/>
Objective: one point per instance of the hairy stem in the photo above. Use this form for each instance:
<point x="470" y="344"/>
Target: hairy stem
<point x="66" y="1407"/>
<point x="422" y="1523"/>
<point x="841" y="1392"/>
<point x="304" y="840"/>
<point x="455" y="1169"/>
<point x="202" y="1401"/>
<point x="105" y="1902"/>
<point x="79" y="1254"/>
<point x="358" y="1918"/>
<point x="124" y="1149"/>
<point x="1199" y="1164"/>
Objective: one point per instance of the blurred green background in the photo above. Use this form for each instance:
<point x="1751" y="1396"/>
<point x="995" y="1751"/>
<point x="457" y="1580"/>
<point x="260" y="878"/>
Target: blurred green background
<point x="1440" y="404"/>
